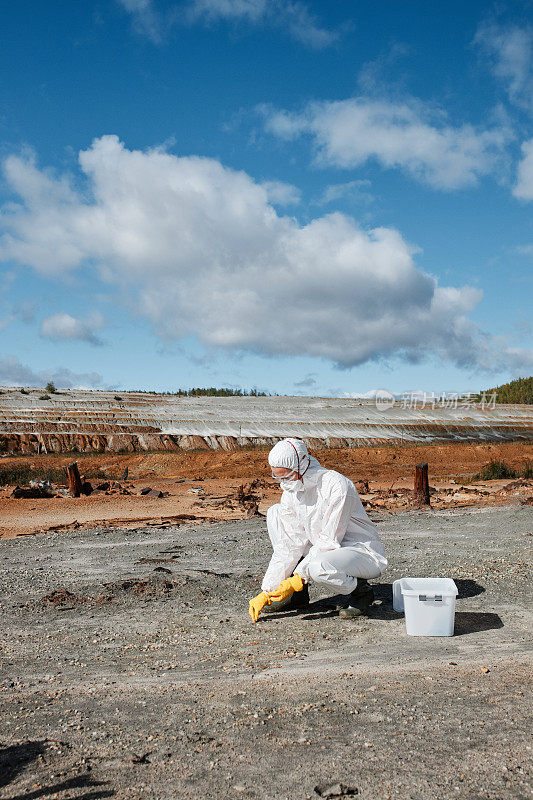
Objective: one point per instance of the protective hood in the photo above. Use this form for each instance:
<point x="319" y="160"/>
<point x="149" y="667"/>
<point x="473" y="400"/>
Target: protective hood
<point x="292" y="454"/>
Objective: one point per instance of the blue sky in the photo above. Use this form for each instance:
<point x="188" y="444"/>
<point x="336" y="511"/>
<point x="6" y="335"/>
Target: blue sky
<point x="305" y="197"/>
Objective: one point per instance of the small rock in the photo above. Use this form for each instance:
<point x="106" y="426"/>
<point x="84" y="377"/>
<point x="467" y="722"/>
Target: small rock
<point x="149" y="492"/>
<point x="141" y="759"/>
<point x="32" y="492"/>
<point x="334" y="790"/>
<point x="59" y="597"/>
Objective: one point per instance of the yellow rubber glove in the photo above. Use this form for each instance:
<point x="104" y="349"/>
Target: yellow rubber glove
<point x="257" y="603"/>
<point x="286" y="588"/>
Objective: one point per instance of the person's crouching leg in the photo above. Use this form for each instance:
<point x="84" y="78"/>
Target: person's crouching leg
<point x="346" y="571"/>
<point x="360" y="600"/>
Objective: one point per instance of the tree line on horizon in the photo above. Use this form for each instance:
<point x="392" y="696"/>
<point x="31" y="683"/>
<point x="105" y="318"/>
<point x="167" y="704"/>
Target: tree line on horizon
<point x="517" y="391"/>
<point x="213" y="391"/>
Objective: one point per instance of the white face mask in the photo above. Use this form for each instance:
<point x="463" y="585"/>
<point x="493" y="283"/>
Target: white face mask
<point x="292" y="486"/>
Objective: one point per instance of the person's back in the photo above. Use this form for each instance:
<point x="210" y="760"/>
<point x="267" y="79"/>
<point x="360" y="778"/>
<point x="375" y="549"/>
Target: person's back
<point x="360" y="527"/>
<point x="315" y="505"/>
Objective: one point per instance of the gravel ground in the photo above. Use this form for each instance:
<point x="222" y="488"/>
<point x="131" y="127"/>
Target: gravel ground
<point x="131" y="669"/>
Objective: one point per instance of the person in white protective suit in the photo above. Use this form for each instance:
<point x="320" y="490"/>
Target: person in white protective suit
<point x="320" y="528"/>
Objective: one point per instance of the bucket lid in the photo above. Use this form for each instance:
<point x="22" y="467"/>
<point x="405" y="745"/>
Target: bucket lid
<point x="412" y="587"/>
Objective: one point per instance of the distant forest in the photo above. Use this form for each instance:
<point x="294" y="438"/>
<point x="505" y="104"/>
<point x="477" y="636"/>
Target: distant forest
<point x="214" y="392"/>
<point x="518" y="391"/>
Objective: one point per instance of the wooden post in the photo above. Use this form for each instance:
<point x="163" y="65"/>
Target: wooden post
<point x="421" y="490"/>
<point x="74" y="480"/>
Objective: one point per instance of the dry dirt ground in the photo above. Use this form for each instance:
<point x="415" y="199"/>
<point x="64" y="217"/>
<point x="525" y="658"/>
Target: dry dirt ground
<point x="131" y="669"/>
<point x="199" y="483"/>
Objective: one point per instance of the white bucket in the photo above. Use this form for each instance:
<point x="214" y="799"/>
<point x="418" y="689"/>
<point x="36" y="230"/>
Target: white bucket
<point x="429" y="605"/>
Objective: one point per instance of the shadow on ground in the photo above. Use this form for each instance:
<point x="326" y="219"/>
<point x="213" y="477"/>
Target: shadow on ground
<point x="468" y="588"/>
<point x="465" y="621"/>
<point x="475" y="621"/>
<point x="16" y="757"/>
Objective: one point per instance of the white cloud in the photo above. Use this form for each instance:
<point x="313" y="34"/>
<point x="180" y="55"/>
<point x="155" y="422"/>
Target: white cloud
<point x="56" y="203"/>
<point x="24" y="311"/>
<point x="64" y="326"/>
<point x="146" y="19"/>
<point x="292" y="16"/>
<point x="510" y="50"/>
<point x="303" y="26"/>
<point x="406" y="135"/>
<point x="524" y="184"/>
<point x="282" y="194"/>
<point x="13" y="373"/>
<point x="384" y="71"/>
<point x="211" y="10"/>
<point x="356" y="190"/>
<point x="196" y="248"/>
<point x="309" y="382"/>
<point x="525" y="250"/>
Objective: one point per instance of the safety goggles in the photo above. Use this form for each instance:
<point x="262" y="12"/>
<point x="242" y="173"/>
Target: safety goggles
<point x="284" y="477"/>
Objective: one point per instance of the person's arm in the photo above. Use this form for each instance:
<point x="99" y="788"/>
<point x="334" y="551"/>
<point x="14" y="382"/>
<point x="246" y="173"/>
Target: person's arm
<point x="281" y="565"/>
<point x="341" y="504"/>
<point x="288" y="546"/>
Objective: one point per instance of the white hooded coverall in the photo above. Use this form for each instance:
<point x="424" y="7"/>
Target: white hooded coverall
<point x="325" y="522"/>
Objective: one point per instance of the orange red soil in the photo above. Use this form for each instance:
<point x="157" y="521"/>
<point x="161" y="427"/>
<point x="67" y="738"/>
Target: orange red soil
<point x="218" y="474"/>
